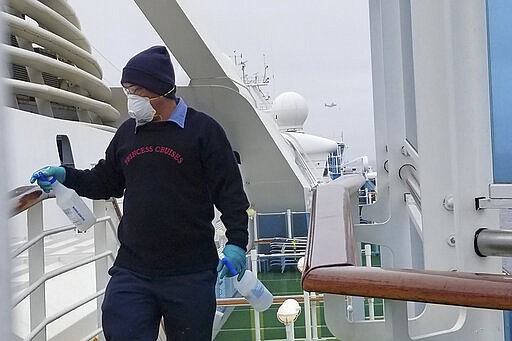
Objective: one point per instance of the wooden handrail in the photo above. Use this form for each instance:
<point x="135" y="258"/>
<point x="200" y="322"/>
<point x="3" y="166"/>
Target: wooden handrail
<point x="492" y="291"/>
<point x="333" y="269"/>
<point x="24" y="197"/>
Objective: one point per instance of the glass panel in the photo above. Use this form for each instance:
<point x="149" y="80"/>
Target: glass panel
<point x="272" y="225"/>
<point x="300" y="223"/>
<point x="499" y="29"/>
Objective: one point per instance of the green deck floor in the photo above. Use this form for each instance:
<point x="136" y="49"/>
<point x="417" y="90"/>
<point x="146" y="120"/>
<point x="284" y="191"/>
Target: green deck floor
<point x="240" y="325"/>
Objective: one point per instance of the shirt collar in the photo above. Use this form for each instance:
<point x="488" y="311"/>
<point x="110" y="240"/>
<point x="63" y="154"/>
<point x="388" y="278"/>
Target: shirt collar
<point x="180" y="113"/>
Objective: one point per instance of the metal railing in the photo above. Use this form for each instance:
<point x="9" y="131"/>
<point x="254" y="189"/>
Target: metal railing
<point x="29" y="200"/>
<point x="489" y="242"/>
<point x="409" y="176"/>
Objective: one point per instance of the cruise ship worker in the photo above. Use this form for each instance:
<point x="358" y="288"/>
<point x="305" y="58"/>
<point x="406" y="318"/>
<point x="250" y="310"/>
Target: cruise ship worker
<point x="172" y="164"/>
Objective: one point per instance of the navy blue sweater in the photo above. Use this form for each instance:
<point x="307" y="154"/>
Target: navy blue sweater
<point x="170" y="178"/>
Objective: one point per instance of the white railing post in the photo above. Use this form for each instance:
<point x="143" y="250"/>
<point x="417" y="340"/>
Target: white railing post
<point x="255" y="229"/>
<point x="254" y="266"/>
<point x="314" y="320"/>
<point x="307" y="306"/>
<point x="101" y="265"/>
<point x="307" y="315"/>
<point x="371" y="300"/>
<point x="289" y="223"/>
<point x="36" y="269"/>
<point x="111" y="237"/>
<point x="290" y="331"/>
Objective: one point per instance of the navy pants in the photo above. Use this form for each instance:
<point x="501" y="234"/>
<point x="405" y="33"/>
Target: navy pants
<point x="134" y="305"/>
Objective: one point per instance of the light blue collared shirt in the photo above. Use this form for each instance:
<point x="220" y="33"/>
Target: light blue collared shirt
<point x="180" y="113"/>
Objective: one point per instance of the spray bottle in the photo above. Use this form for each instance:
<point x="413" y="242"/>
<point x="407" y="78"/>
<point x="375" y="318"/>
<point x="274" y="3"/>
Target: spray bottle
<point x="71" y="204"/>
<point x="251" y="288"/>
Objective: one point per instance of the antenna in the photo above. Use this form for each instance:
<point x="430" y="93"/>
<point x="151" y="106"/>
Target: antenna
<point x="265" y="67"/>
<point x="239" y="61"/>
<point x="243" y="71"/>
<point x="243" y="65"/>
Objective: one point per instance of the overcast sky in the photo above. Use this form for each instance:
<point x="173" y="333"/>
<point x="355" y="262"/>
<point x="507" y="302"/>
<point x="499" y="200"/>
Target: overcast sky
<point x="320" y="50"/>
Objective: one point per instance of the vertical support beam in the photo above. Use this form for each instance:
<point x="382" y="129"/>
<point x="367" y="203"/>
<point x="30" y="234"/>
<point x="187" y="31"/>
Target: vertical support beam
<point x="36" y="269"/>
<point x="434" y="87"/>
<point x="452" y="97"/>
<point x="83" y="114"/>
<point x="399" y="321"/>
<point x="453" y="122"/>
<point x="392" y="76"/>
<point x="5" y="273"/>
<point x="100" y="245"/>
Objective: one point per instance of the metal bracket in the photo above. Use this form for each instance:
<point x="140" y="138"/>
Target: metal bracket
<point x="500" y="196"/>
<point x="482" y="203"/>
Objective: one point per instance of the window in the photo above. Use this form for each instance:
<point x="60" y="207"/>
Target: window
<point x="499" y="31"/>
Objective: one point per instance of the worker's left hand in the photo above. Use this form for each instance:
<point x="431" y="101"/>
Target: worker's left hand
<point x="236" y="256"/>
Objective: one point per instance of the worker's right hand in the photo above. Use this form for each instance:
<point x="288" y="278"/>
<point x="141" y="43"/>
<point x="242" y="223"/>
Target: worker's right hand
<point x="57" y="172"/>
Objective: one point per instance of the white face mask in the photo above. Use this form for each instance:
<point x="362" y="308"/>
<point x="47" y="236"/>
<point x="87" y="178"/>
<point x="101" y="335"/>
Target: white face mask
<point x="140" y="109"/>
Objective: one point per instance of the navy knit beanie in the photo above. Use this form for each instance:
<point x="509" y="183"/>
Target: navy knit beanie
<point x="152" y="69"/>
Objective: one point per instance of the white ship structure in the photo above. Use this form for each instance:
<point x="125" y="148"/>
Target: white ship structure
<point x="442" y="133"/>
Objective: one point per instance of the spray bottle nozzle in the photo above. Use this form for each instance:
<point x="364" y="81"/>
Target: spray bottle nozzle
<point x="228" y="265"/>
<point x="40" y="175"/>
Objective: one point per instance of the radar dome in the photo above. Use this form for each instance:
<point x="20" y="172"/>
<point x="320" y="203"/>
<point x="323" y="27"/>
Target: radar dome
<point x="290" y="110"/>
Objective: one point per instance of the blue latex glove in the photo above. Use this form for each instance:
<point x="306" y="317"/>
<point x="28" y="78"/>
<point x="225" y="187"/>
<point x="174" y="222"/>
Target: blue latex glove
<point x="236" y="256"/>
<point x="58" y="173"/>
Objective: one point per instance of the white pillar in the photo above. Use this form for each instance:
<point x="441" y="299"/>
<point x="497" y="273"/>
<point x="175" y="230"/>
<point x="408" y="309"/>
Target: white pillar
<point x="5" y="296"/>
